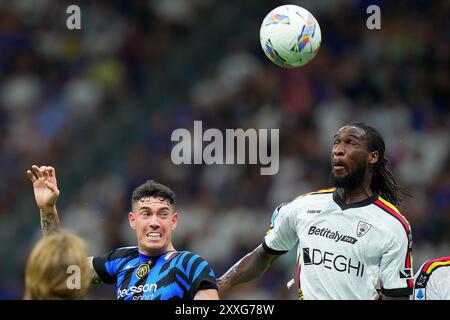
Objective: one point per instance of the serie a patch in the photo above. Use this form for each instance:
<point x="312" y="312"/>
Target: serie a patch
<point x="420" y="294"/>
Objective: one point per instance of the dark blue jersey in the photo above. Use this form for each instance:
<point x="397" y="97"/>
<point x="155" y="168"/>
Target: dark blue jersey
<point x="174" y="275"/>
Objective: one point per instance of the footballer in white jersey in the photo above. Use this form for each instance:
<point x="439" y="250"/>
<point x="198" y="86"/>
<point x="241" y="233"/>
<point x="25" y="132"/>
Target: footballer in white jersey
<point x="352" y="242"/>
<point x="432" y="281"/>
<point x="344" y="251"/>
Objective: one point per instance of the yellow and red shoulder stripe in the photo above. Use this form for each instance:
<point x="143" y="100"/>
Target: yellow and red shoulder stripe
<point x="433" y="264"/>
<point x="428" y="268"/>
<point x="393" y="211"/>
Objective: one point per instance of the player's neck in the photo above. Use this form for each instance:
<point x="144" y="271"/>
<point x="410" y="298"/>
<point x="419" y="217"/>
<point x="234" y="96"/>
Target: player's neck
<point x="355" y="195"/>
<point x="359" y="193"/>
<point x="156" y="253"/>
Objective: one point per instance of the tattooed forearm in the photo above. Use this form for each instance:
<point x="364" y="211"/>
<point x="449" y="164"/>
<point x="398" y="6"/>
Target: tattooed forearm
<point x="49" y="222"/>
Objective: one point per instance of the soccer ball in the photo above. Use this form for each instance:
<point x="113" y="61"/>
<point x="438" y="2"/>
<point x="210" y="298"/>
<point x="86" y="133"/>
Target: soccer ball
<point x="290" y="36"/>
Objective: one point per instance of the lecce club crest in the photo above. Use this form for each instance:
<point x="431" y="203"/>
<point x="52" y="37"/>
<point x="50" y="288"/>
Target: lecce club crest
<point x="363" y="228"/>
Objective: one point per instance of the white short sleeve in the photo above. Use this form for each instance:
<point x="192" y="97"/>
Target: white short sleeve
<point x="438" y="287"/>
<point x="396" y="264"/>
<point x="282" y="234"/>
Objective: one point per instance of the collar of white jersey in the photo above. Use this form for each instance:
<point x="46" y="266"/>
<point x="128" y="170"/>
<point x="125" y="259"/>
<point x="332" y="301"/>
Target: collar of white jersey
<point x="363" y="203"/>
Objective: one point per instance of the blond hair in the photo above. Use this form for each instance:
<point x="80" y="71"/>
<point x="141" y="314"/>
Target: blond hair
<point x="48" y="268"/>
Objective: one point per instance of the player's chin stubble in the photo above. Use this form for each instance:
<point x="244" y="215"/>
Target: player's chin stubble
<point x="351" y="180"/>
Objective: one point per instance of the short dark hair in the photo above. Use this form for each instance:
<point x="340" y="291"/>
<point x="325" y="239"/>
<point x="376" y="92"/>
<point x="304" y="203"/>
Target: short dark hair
<point x="154" y="189"/>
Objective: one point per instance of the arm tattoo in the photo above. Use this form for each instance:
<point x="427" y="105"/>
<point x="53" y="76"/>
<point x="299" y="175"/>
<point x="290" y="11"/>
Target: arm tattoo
<point x="49" y="223"/>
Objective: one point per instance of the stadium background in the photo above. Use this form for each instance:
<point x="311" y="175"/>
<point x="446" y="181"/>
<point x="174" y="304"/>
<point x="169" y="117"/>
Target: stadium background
<point x="100" y="104"/>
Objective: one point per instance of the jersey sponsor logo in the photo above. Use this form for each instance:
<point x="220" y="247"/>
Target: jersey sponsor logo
<point x="146" y="288"/>
<point x="405" y="274"/>
<point x="420" y="294"/>
<point x="313" y="211"/>
<point x="333" y="235"/>
<point x="363" y="228"/>
<point x="143" y="269"/>
<point x="332" y="261"/>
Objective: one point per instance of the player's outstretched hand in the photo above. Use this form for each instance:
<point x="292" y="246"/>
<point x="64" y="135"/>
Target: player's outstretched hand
<point x="45" y="186"/>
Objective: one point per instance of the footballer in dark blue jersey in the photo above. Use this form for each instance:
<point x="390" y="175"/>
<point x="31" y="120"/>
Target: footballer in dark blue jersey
<point x="152" y="270"/>
<point x="173" y="275"/>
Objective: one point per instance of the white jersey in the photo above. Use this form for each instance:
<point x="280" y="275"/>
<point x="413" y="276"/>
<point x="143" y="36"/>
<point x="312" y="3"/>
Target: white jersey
<point x="344" y="251"/>
<point x="432" y="281"/>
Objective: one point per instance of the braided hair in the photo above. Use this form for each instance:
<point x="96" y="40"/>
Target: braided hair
<point x="383" y="181"/>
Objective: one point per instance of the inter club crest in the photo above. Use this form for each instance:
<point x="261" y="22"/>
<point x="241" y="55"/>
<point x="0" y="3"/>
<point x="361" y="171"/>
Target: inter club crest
<point x="143" y="269"/>
<point x="363" y="228"/>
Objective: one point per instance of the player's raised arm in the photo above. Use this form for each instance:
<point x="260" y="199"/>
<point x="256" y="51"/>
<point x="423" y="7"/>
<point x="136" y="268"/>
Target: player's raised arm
<point x="279" y="239"/>
<point x="46" y="193"/>
<point x="248" y="268"/>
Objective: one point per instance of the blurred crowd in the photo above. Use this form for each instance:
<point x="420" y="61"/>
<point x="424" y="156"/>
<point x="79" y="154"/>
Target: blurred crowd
<point x="99" y="104"/>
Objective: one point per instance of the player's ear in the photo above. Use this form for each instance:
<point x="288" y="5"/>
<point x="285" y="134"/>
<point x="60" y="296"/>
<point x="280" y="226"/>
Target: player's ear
<point x="132" y="220"/>
<point x="174" y="220"/>
<point x="373" y="157"/>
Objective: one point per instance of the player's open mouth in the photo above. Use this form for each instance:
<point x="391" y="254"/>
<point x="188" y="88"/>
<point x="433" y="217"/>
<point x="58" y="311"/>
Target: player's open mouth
<point x="338" y="165"/>
<point x="153" y="235"/>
